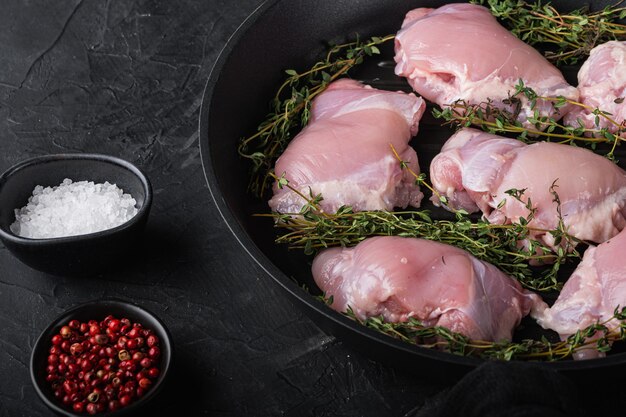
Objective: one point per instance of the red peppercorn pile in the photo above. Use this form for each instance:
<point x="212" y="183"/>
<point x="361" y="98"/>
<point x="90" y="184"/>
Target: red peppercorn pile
<point x="97" y="367"/>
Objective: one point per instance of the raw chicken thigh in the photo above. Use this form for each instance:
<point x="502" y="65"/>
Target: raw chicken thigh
<point x="475" y="169"/>
<point x="345" y="151"/>
<point x="438" y="284"/>
<point x="595" y="289"/>
<point x="459" y="51"/>
<point x="602" y="84"/>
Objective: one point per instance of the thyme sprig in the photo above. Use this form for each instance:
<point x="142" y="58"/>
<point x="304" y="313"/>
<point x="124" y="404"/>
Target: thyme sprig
<point x="599" y="336"/>
<point x="291" y="106"/>
<point x="573" y="34"/>
<point x="312" y="229"/>
<point x="503" y="117"/>
<point x="420" y="180"/>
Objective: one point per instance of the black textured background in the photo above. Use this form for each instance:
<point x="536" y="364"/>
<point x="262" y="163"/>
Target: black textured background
<point x="125" y="77"/>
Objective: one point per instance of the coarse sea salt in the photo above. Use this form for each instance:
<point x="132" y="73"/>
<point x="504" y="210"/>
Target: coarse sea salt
<point x="73" y="208"/>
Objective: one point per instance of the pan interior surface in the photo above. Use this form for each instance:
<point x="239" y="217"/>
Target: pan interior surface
<point x="293" y="34"/>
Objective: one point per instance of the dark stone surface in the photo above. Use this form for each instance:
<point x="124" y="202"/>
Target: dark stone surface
<point x="125" y="78"/>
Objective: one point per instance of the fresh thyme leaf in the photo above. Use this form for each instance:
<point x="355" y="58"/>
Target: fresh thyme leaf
<point x="282" y="182"/>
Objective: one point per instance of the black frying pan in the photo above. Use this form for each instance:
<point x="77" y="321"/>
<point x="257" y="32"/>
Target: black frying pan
<point x="285" y="34"/>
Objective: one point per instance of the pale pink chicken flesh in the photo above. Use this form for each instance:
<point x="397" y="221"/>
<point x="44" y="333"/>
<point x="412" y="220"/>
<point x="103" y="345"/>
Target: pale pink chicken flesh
<point x="345" y="152"/>
<point x="602" y="85"/>
<point x="438" y="284"/>
<point x="475" y="170"/>
<point x="460" y="52"/>
<point x="593" y="292"/>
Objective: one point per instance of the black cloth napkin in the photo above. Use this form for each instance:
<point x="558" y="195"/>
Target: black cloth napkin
<point x="514" y="389"/>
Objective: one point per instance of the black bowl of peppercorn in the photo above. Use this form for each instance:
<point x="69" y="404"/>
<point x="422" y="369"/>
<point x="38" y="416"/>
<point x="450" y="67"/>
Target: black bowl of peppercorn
<point x="106" y="357"/>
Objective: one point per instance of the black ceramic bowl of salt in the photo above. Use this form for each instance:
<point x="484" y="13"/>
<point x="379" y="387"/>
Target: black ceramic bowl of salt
<point x="85" y="254"/>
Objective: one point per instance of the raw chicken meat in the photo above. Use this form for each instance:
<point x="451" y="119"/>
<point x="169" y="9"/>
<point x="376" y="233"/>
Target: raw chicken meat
<point x="459" y="51"/>
<point x="602" y="85"/>
<point x="438" y="284"/>
<point x="345" y="151"/>
<point x="595" y="289"/>
<point x="475" y="169"/>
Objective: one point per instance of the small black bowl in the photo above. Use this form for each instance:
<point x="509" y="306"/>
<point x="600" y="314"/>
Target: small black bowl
<point x="98" y="310"/>
<point x="73" y="255"/>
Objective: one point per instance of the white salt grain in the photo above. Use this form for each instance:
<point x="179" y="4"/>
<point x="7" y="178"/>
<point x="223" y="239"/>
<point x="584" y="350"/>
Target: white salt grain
<point x="73" y="208"/>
